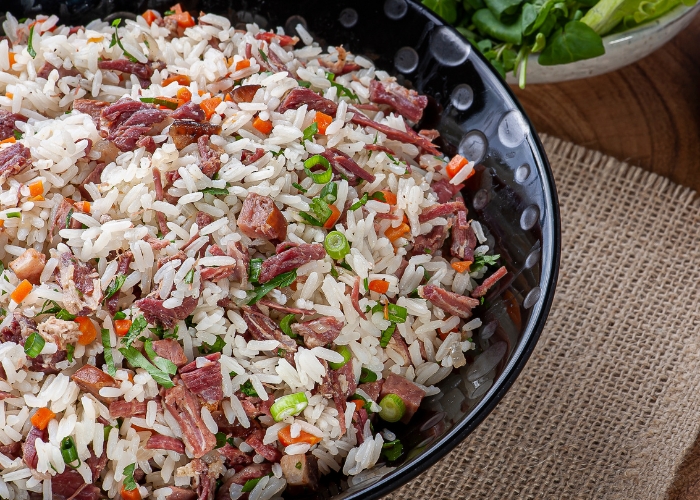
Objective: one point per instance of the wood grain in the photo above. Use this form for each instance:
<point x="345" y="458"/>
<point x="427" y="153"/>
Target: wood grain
<point x="647" y="113"/>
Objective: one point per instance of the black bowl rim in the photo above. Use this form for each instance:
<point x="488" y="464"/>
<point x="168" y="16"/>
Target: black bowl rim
<point x="459" y="432"/>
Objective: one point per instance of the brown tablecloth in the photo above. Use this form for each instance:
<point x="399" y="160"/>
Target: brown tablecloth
<point x="609" y="403"/>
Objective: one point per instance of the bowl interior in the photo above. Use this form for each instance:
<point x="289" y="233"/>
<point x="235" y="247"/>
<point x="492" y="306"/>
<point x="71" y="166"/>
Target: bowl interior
<point x="512" y="192"/>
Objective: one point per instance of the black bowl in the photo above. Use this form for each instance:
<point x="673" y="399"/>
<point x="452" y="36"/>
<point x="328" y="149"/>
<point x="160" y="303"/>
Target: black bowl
<point x="513" y="192"/>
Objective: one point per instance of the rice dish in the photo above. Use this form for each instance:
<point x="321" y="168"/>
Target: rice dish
<point x="230" y="264"/>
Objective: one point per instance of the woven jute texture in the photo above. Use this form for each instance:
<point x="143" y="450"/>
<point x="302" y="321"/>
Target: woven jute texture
<point x="609" y="402"/>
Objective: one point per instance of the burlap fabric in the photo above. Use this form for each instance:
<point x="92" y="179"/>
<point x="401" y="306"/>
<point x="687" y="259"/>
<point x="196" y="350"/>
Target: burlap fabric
<point x="609" y="402"/>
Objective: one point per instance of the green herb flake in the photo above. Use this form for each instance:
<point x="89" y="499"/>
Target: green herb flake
<point x="189" y="277"/>
<point x="248" y="390"/>
<point x="299" y="187"/>
<point x="115" y="285"/>
<point x="117" y="41"/>
<point x="263" y="55"/>
<point x="17" y="134"/>
<point x="70" y="349"/>
<point x="360" y="203"/>
<point x="109" y="360"/>
<point x="138" y="325"/>
<point x="218" y="346"/>
<point x="284" y="279"/>
<point x="310" y="132"/>
<point x="129" y="482"/>
<point x="217" y="191"/>
<point x="30" y="47"/>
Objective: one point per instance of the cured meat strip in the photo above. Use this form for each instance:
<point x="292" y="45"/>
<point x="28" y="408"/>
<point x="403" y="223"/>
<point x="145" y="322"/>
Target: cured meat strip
<point x="143" y="72"/>
<point x="154" y="312"/>
<point x="463" y="238"/>
<point x="70" y="485"/>
<point x="29" y="447"/>
<point x="124" y="261"/>
<point x="185" y="132"/>
<point x="338" y="385"/>
<point x="290" y="259"/>
<point x="160" y="442"/>
<point x="270" y="453"/>
<point x="90" y="107"/>
<point x="379" y="147"/>
<point x="233" y="456"/>
<point x="247" y="157"/>
<point x="171" y="350"/>
<point x="260" y="218"/>
<point x="289" y="310"/>
<point x="355" y="298"/>
<point x="91" y="379"/>
<point x="158" y="187"/>
<point x="209" y="161"/>
<point x="205" y="381"/>
<point x="481" y="290"/>
<point x="408" y="103"/>
<point x="440" y="210"/>
<point x="373" y="389"/>
<point x="300" y="96"/>
<point x="7" y="123"/>
<point x="237" y="272"/>
<point x="345" y="167"/>
<point x="244" y="93"/>
<point x="123" y="409"/>
<point x="445" y="191"/>
<point x="189" y="111"/>
<point x="186" y="409"/>
<point x="261" y="327"/>
<point x="127" y="120"/>
<point x="433" y="241"/>
<point x="13" y="159"/>
<point x="408" y="136"/>
<point x="450" y="302"/>
<point x="253" y="471"/>
<point x="318" y="332"/>
<point x="409" y="392"/>
<point x="282" y="40"/>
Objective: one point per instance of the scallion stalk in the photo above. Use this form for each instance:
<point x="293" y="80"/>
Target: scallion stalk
<point x="336" y="244"/>
<point x="286" y="325"/>
<point x="318" y="177"/>
<point x="345" y="352"/>
<point x="34" y="345"/>
<point x="393" y="408"/>
<point x="69" y="452"/>
<point x="286" y="406"/>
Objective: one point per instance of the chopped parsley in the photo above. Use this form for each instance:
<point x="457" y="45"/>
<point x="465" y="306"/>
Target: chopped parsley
<point x="248" y="390"/>
<point x="129" y="482"/>
<point x="117" y="41"/>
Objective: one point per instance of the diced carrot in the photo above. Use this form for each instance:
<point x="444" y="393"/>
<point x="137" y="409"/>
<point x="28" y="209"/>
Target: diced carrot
<point x="455" y="165"/>
<point x="181" y="79"/>
<point x="36" y="198"/>
<point x="9" y="140"/>
<point x="322" y="120"/>
<point x="228" y="98"/>
<point x="183" y="96"/>
<point x="36" y="188"/>
<point x="177" y="8"/>
<point x="87" y="330"/>
<point x="41" y="418"/>
<point x="209" y="106"/>
<point x="201" y="93"/>
<point x="245" y="63"/>
<point x="184" y="19"/>
<point x="262" y="126"/>
<point x="379" y="286"/>
<point x="121" y="326"/>
<point x="21" y="292"/>
<point x="130" y="494"/>
<point x="150" y="16"/>
<point x="443" y="335"/>
<point x="358" y="403"/>
<point x="11" y="56"/>
<point x="394" y="233"/>
<point x="335" y="215"/>
<point x="285" y="437"/>
<point x="461" y="266"/>
<point x="9" y="95"/>
<point x="389" y="197"/>
<point x="2" y="223"/>
<point x="83" y="206"/>
<point x="97" y="39"/>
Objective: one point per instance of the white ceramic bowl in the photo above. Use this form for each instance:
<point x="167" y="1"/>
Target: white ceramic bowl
<point x="621" y="49"/>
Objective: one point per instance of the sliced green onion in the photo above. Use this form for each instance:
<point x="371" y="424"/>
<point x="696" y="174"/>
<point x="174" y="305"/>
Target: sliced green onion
<point x="160" y="102"/>
<point x="393" y="408"/>
<point x="189" y="277"/>
<point x="299" y="187"/>
<point x="386" y="335"/>
<point x="248" y="389"/>
<point x="321" y="209"/>
<point x="13" y="215"/>
<point x="366" y="403"/>
<point x="286" y="325"/>
<point x="129" y="481"/>
<point x="65" y="315"/>
<point x="366" y="283"/>
<point x="329" y="193"/>
<point x="392" y="450"/>
<point x="250" y="485"/>
<point x="336" y="244"/>
<point x="284" y="279"/>
<point x="304" y="83"/>
<point x="397" y="314"/>
<point x="164" y="364"/>
<point x="34" y="344"/>
<point x="344" y="351"/>
<point x="168" y="12"/>
<point x="378" y="196"/>
<point x="136" y="359"/>
<point x="367" y="376"/>
<point x="69" y="452"/>
<point x="318" y="177"/>
<point x="254" y="269"/>
<point x="70" y="349"/>
<point x="115" y="285"/>
<point x="310" y="219"/>
<point x="310" y="132"/>
<point x="138" y="325"/>
<point x="120" y="315"/>
<point x="30" y="47"/>
<point x="360" y="203"/>
<point x="117" y="41"/>
<point x="109" y="360"/>
<point x="263" y="55"/>
<point x="287" y="406"/>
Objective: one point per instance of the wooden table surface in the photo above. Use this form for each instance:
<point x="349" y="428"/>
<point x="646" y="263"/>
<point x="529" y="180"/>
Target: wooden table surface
<point x="648" y="114"/>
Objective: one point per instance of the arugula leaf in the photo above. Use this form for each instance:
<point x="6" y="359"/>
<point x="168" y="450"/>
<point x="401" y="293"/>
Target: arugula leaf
<point x="115" y="285"/>
<point x="576" y="41"/>
<point x="487" y="22"/>
<point x="129" y="482"/>
<point x="137" y="360"/>
<point x="304" y="83"/>
<point x="284" y="279"/>
<point x="65" y="315"/>
<point x="446" y="9"/>
<point x="53" y="310"/>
